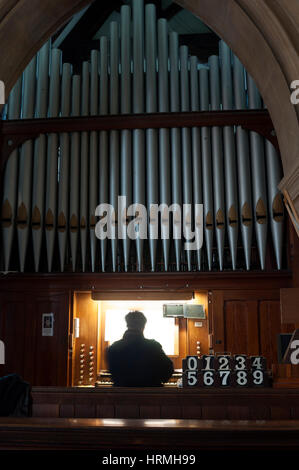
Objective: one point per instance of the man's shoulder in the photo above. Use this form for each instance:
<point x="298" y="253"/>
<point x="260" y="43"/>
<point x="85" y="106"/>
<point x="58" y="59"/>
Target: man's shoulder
<point x="117" y="344"/>
<point x="153" y="343"/>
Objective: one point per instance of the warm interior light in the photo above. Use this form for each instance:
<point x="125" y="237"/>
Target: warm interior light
<point x="163" y="330"/>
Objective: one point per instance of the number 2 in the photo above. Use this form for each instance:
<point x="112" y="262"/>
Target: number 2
<point x="223" y="363"/>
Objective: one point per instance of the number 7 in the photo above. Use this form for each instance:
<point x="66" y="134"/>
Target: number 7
<point x="224" y="374"/>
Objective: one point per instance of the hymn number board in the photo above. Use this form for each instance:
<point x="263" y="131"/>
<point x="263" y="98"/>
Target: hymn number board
<point x="225" y="371"/>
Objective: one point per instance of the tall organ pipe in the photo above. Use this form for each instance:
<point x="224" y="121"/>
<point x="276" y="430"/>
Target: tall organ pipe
<point x="258" y="177"/>
<point x="10" y="179"/>
<point x="196" y="151"/>
<point x="103" y="139"/>
<point x="114" y="137"/>
<point x="40" y="154"/>
<point x="25" y="164"/>
<point x="231" y="193"/>
<point x="138" y="107"/>
<point x="217" y="154"/>
<point x="175" y="145"/>
<point x="52" y="157"/>
<point x="207" y="179"/>
<point x="164" y="144"/>
<point x="84" y="162"/>
<point x="74" y="173"/>
<point x="126" y="135"/>
<point x="63" y="171"/>
<point x="151" y="134"/>
<point x="243" y="158"/>
<point x="93" y="155"/>
<point x="186" y="151"/>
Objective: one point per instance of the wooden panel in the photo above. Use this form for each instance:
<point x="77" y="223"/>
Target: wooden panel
<point x="67" y="411"/>
<point x="51" y="358"/>
<point x="269" y="328"/>
<point x="218" y="321"/>
<point x="289" y="299"/>
<point x="150" y="411"/>
<point x="40" y="360"/>
<point x="246" y="282"/>
<point x="135" y="435"/>
<point x="105" y="411"/>
<point x="85" y="410"/>
<point x="126" y="411"/>
<point x="280" y="412"/>
<point x="241" y="327"/>
<point x="45" y="411"/>
<point x="238" y="412"/>
<point x="196" y="333"/>
<point x="247" y="321"/>
<point x="167" y="402"/>
<point x="13" y="322"/>
<point x="214" y="412"/>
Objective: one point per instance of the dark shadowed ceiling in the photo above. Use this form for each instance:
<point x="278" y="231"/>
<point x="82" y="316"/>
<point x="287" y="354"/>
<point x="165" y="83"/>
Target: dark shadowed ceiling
<point x="83" y="31"/>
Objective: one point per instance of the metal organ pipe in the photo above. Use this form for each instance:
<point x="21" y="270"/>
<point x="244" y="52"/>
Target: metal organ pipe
<point x="164" y="143"/>
<point x="259" y="190"/>
<point x="52" y="157"/>
<point x="207" y="179"/>
<point x="11" y="179"/>
<point x="176" y="166"/>
<point x="61" y="179"/>
<point x="196" y="150"/>
<point x="217" y="155"/>
<point x="231" y="193"/>
<point x="275" y="203"/>
<point x="63" y="170"/>
<point x="103" y="185"/>
<point x="151" y="134"/>
<point x="25" y="164"/>
<point x="126" y="135"/>
<point x="74" y="173"/>
<point x="138" y="107"/>
<point x="40" y="154"/>
<point x="114" y="138"/>
<point x="186" y="149"/>
<point x="84" y="165"/>
<point x="93" y="155"/>
<point x="243" y="159"/>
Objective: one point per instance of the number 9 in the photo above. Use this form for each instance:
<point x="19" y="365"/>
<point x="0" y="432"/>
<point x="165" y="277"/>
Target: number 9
<point x="258" y="377"/>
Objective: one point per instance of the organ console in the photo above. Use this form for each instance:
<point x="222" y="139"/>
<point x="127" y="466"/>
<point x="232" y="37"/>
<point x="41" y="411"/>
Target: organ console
<point x="53" y="184"/>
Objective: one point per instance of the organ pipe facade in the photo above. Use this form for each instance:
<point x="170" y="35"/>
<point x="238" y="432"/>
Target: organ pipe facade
<point x="53" y="185"/>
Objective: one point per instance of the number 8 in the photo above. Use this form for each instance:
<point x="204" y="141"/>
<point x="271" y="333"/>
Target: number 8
<point x="241" y="377"/>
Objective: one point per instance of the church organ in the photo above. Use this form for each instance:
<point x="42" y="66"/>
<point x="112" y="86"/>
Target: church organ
<point x="52" y="185"/>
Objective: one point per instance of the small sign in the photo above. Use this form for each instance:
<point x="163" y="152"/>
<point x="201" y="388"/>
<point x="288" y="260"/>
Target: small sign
<point x="2" y="353"/>
<point x="47" y="324"/>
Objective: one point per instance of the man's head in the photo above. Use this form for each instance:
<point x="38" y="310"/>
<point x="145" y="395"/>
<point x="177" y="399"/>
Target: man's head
<point x="135" y="320"/>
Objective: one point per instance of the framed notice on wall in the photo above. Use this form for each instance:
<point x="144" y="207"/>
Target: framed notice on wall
<point x="48" y="324"/>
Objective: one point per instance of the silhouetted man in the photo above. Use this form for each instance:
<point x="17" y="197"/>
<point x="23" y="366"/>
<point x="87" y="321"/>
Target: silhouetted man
<point x="135" y="361"/>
